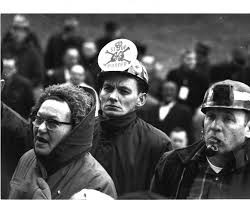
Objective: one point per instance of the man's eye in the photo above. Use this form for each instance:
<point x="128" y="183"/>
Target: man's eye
<point x="108" y="88"/>
<point x="124" y="92"/>
<point x="39" y="120"/>
<point x="210" y="116"/>
<point x="228" y="118"/>
<point x="52" y="122"/>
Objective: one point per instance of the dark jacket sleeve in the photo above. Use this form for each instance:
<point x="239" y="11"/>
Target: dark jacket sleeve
<point x="171" y="172"/>
<point x="161" y="145"/>
<point x="167" y="175"/>
<point x="157" y="183"/>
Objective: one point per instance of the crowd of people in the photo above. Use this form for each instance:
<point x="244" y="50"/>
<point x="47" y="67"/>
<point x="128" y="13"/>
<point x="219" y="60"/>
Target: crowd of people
<point x="84" y="117"/>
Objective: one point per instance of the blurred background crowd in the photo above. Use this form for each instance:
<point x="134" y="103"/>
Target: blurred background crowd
<point x="183" y="53"/>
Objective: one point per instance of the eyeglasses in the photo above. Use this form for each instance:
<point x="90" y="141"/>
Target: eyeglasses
<point x="51" y="124"/>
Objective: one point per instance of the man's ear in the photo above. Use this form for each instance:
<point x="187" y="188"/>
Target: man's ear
<point x="2" y="84"/>
<point x="141" y="100"/>
<point x="247" y="134"/>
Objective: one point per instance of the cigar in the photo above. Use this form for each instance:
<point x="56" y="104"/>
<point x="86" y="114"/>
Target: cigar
<point x="211" y="150"/>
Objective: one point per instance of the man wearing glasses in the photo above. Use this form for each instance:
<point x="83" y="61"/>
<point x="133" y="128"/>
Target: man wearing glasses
<point x="60" y="164"/>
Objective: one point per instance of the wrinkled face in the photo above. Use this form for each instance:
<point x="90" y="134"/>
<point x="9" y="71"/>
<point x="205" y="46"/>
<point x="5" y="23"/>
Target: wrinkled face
<point x="225" y="129"/>
<point x="179" y="139"/>
<point x="119" y="96"/>
<point x="46" y="140"/>
<point x="189" y="60"/>
<point x="169" y="91"/>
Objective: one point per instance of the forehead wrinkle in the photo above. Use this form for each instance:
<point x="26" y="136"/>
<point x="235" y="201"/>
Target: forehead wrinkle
<point x="52" y="110"/>
<point x="112" y="82"/>
<point x="48" y="111"/>
<point x="118" y="82"/>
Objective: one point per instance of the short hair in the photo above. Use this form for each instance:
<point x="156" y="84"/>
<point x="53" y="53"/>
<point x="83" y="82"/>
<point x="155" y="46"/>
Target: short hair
<point x="80" y="101"/>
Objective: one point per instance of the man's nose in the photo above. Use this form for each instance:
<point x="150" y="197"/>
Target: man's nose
<point x="113" y="96"/>
<point x="42" y="127"/>
<point x="216" y="124"/>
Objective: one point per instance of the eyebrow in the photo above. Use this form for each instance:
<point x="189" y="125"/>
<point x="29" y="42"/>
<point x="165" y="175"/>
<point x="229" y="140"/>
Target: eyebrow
<point x="48" y="116"/>
<point x="124" y="87"/>
<point x="107" y="83"/>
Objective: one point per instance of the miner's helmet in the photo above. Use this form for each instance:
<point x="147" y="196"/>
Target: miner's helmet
<point x="227" y="94"/>
<point x="120" y="57"/>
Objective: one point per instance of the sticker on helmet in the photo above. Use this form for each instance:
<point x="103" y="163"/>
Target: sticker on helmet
<point x="117" y="55"/>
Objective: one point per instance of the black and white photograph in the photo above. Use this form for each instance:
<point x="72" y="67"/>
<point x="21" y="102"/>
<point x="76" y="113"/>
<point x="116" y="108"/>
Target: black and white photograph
<point x="112" y="104"/>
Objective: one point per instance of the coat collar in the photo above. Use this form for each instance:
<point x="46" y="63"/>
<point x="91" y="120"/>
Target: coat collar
<point x="241" y="157"/>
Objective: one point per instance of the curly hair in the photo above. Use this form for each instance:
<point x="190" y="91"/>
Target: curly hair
<point x="80" y="101"/>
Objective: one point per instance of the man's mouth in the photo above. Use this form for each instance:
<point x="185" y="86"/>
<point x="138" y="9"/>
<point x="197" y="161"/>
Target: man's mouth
<point x="112" y="107"/>
<point x="214" y="140"/>
<point x="42" y="140"/>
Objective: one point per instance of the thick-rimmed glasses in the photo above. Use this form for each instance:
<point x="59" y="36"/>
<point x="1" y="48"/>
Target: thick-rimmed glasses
<point x="51" y="124"/>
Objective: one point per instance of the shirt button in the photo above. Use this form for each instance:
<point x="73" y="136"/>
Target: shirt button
<point x="217" y="178"/>
<point x="58" y="192"/>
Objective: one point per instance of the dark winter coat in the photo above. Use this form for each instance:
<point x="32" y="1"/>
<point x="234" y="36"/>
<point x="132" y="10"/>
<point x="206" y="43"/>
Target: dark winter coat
<point x="177" y="169"/>
<point x="129" y="149"/>
<point x="68" y="169"/>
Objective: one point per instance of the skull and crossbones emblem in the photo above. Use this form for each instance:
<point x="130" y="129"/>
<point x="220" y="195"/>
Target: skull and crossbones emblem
<point x="118" y="55"/>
